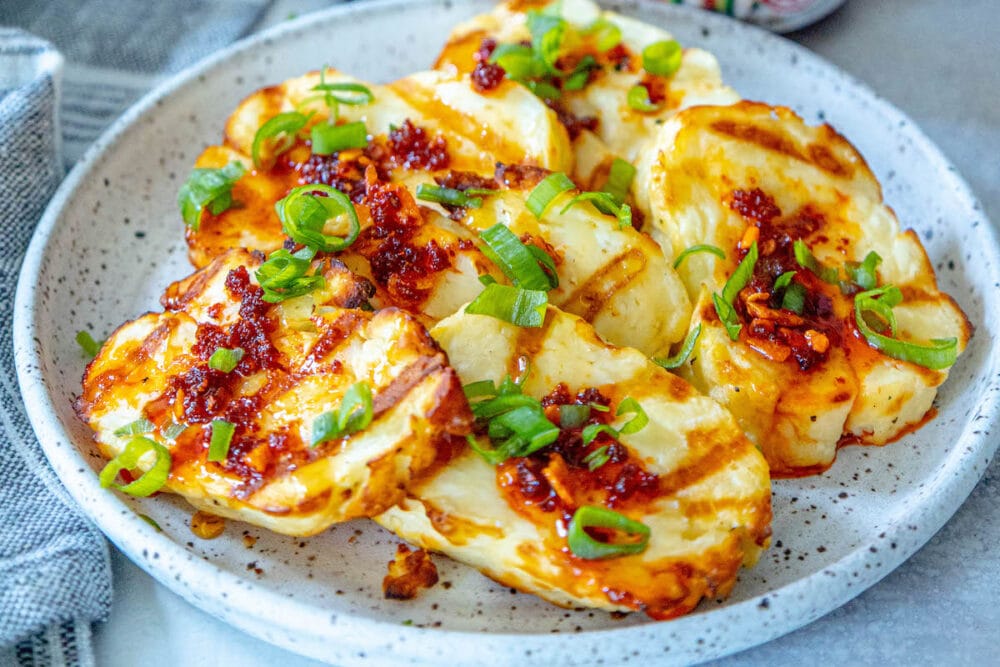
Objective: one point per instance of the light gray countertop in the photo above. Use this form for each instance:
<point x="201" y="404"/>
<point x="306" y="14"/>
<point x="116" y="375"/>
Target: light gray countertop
<point x="937" y="61"/>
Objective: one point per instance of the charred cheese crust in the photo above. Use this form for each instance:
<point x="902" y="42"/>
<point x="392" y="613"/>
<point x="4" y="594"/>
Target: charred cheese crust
<point x="621" y="130"/>
<point x="824" y="193"/>
<point x="712" y="513"/>
<point x="153" y="368"/>
<point x="614" y="277"/>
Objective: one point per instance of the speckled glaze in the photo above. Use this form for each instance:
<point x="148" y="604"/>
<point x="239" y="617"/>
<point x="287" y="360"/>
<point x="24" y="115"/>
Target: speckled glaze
<point x="112" y="239"/>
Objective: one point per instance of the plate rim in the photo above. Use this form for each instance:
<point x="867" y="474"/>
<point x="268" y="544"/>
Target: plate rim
<point x="245" y="595"/>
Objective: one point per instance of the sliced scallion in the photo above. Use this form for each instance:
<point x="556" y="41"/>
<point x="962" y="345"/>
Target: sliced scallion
<point x="304" y="215"/>
<point x="208" y="189"/>
<point x="522" y="307"/>
<point x="87" y="343"/>
<point x="278" y="133"/>
<point x="620" y="177"/>
<point x="355" y="413"/>
<point x="783" y="280"/>
<point x="662" y="58"/>
<point x="546" y="191"/>
<point x="631" y="406"/>
<point x="807" y="260"/>
<point x="590" y="516"/>
<point x="138" y="427"/>
<point x="605" y="203"/>
<point x="697" y="248"/>
<point x="329" y="139"/>
<point x="225" y="359"/>
<point x="351" y="94"/>
<point x="638" y="99"/>
<point x="222" y="436"/>
<point x="483" y="388"/>
<point x="150" y="481"/>
<point x="864" y="274"/>
<point x="591" y="432"/>
<point x="573" y="415"/>
<point x="597" y="458"/>
<point x="606" y="34"/>
<point x="517" y="260"/>
<point x="285" y="275"/>
<point x="724" y="302"/>
<point x="682" y="355"/>
<point x="449" y="196"/>
<point x="794" y="298"/>
<point x="940" y="354"/>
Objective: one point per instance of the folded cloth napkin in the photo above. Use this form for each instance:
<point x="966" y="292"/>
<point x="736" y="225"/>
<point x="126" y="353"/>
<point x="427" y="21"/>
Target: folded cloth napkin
<point x="55" y="577"/>
<point x="53" y="565"/>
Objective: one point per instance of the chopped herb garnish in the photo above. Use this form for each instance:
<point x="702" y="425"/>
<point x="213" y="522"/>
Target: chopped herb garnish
<point x="527" y="266"/>
<point x="329" y="139"/>
<point x="589" y="516"/>
<point x="449" y="196"/>
<point x="305" y="214"/>
<point x="662" y="58"/>
<point x="208" y="189"/>
<point x="698" y="248"/>
<point x="225" y="360"/>
<point x="684" y="353"/>
<point x="138" y="427"/>
<point x="278" y="134"/>
<point x="724" y="302"/>
<point x="285" y="275"/>
<point x="87" y="343"/>
<point x="355" y="413"/>
<point x="546" y="191"/>
<point x="638" y="99"/>
<point x="940" y="354"/>
<point x="222" y="436"/>
<point x="150" y="481"/>
<point x="525" y="308"/>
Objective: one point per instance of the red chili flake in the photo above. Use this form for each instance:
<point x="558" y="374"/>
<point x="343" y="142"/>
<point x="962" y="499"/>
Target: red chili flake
<point x="619" y="56"/>
<point x="487" y="76"/>
<point x="397" y="263"/>
<point x="519" y="176"/>
<point x="411" y="148"/>
<point x="656" y="88"/>
<point x="575" y="124"/>
<point x="346" y="176"/>
<point x="754" y="205"/>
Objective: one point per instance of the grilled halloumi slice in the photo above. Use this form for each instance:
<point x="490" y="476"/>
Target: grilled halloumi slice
<point x="798" y="383"/>
<point x="689" y="475"/>
<point x="426" y="257"/>
<point x="601" y="122"/>
<point x="299" y="359"/>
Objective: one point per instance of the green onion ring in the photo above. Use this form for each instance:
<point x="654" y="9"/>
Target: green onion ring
<point x="150" y="481"/>
<point x="303" y="216"/>
<point x="589" y="516"/>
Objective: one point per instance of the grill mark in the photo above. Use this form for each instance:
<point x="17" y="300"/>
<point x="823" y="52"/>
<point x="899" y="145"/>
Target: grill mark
<point x="335" y="335"/>
<point x="528" y="343"/>
<point x="458" y="124"/>
<point x="817" y="155"/>
<point x="402" y="384"/>
<point x="673" y="482"/>
<point x="593" y="295"/>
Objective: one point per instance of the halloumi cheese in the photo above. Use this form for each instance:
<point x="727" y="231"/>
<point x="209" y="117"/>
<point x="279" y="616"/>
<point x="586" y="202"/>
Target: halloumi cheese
<point x="425" y="256"/>
<point x="689" y="475"/>
<point x="601" y="122"/>
<point x="798" y="382"/>
<point x="299" y="359"/>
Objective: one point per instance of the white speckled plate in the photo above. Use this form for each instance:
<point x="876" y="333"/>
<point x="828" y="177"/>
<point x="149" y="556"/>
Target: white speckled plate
<point x="112" y="239"/>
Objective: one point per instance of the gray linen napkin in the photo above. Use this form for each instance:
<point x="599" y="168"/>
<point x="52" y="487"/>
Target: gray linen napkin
<point x="55" y="577"/>
<point x="53" y="566"/>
